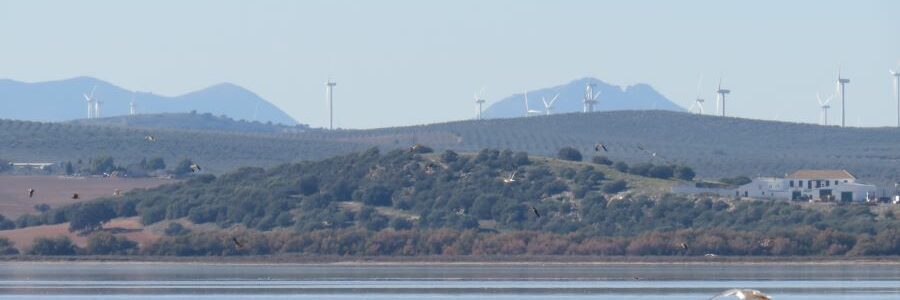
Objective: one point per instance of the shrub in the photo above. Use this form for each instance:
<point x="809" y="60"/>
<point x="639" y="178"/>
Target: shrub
<point x="176" y="228"/>
<point x="309" y="185"/>
<point x="43" y="207"/>
<point x="684" y="173"/>
<point x="615" y="186"/>
<point x="569" y="153"/>
<point x="663" y="172"/>
<point x="621" y="166"/>
<point x="602" y="160"/>
<point x="7" y="247"/>
<point x="105" y="243"/>
<point x="449" y="156"/>
<point x="6" y="224"/>
<point x="378" y="195"/>
<point x="740" y="180"/>
<point x="90" y="216"/>
<point x="60" y="245"/>
<point x="401" y="224"/>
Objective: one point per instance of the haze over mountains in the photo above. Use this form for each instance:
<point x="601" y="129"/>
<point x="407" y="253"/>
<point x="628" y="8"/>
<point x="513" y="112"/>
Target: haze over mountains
<point x="612" y="97"/>
<point x="63" y="100"/>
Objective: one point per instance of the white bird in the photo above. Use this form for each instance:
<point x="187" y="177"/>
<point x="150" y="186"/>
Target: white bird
<point x="511" y="178"/>
<point x="744" y="294"/>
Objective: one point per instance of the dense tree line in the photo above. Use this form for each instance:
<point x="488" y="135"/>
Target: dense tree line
<point x="489" y="193"/>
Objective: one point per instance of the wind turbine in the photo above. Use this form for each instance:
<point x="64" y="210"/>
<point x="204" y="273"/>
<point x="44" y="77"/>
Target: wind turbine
<point x="131" y="110"/>
<point x="824" y="105"/>
<point x="528" y="111"/>
<point x="548" y="106"/>
<point x="329" y="87"/>
<point x="721" y="96"/>
<point x="90" y="102"/>
<point x="590" y="98"/>
<point x="841" y="85"/>
<point x="896" y="75"/>
<point x="479" y="100"/>
<point x="698" y="102"/>
<point x="97" y="108"/>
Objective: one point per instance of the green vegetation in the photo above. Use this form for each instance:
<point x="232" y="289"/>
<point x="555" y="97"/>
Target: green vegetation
<point x="104" y="243"/>
<point x="7" y="247"/>
<point x="60" y="245"/>
<point x="404" y="203"/>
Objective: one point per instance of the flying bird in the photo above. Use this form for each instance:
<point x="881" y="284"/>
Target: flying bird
<point x="535" y="212"/>
<point x="30" y="193"/>
<point x="511" y="178"/>
<point x="195" y="168"/>
<point x="75" y="196"/>
<point x="744" y="294"/>
<point x="684" y="246"/>
<point x="600" y="146"/>
<point x="150" y="138"/>
<point x="237" y="243"/>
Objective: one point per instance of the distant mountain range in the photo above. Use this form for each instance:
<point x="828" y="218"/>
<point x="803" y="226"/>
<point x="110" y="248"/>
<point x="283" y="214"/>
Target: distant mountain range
<point x="612" y="98"/>
<point x="63" y="100"/>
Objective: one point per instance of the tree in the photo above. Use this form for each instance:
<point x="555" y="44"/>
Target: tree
<point x="378" y="195"/>
<point x="156" y="163"/>
<point x="6" y="224"/>
<point x="620" y="166"/>
<point x="601" y="160"/>
<point x="69" y="169"/>
<point x="5" y="165"/>
<point x="615" y="186"/>
<point x="105" y="243"/>
<point x="569" y="153"/>
<point x="176" y="228"/>
<point x="662" y="172"/>
<point x="183" y="167"/>
<point x="7" y="247"/>
<point x="309" y="185"/>
<point x="103" y="164"/>
<point x="90" y="216"/>
<point x="60" y="245"/>
<point x="684" y="173"/>
<point x="449" y="156"/>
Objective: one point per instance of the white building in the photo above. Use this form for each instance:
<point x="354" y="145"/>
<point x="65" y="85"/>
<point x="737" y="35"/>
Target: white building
<point x="822" y="185"/>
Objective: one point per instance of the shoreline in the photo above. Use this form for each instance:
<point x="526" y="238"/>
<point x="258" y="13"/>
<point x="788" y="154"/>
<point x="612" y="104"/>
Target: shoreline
<point x="456" y="260"/>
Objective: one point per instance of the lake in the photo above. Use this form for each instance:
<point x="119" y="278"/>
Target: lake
<point x="135" y="280"/>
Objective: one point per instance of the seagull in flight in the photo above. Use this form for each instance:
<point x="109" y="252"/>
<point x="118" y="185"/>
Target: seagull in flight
<point x="744" y="294"/>
<point x="75" y="196"/>
<point x="150" y="138"/>
<point x="195" y="168"/>
<point x="30" y="193"/>
<point x="511" y="178"/>
<point x="600" y="146"/>
<point x="237" y="243"/>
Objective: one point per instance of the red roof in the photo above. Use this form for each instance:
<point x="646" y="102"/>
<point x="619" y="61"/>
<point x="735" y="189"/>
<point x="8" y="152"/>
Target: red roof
<point x="821" y="174"/>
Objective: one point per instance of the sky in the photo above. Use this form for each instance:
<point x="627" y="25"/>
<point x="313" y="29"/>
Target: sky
<point x="413" y="62"/>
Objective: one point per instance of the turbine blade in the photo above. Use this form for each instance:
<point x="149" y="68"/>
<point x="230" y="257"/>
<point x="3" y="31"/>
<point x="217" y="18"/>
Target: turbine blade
<point x="596" y="95"/>
<point x="554" y="99"/>
<point x="819" y="98"/>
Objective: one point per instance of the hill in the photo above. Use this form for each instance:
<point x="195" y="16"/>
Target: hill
<point x="486" y="203"/>
<point x="714" y="146"/>
<point x="193" y="121"/>
<point x="63" y="100"/>
<point x="611" y="98"/>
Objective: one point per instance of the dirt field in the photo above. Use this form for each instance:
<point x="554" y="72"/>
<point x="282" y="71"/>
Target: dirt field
<point x="128" y="227"/>
<point x="57" y="190"/>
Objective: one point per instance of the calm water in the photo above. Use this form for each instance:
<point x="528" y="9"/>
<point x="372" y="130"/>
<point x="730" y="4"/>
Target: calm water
<point x="459" y="282"/>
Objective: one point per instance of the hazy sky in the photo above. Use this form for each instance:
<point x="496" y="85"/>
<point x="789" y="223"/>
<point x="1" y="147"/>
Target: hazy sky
<point x="410" y="62"/>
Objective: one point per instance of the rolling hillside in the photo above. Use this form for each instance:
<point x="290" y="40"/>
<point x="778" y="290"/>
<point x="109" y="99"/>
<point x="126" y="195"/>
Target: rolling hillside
<point x="192" y="121"/>
<point x="63" y="100"/>
<point x="714" y="146"/>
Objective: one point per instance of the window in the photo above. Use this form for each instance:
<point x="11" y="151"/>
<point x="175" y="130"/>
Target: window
<point x="818" y="183"/>
<point x="792" y="183"/>
<point x="800" y="183"/>
<point x="827" y="182"/>
<point x="835" y="182"/>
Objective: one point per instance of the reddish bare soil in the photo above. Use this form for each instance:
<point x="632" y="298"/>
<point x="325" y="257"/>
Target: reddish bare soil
<point x="57" y="191"/>
<point x="127" y="227"/>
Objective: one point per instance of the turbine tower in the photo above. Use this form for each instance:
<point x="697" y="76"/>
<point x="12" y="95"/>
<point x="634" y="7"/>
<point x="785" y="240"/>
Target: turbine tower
<point x="842" y="82"/>
<point x="590" y="98"/>
<point x="131" y="111"/>
<point x="90" y="102"/>
<point x="824" y="105"/>
<point x="896" y="75"/>
<point x="97" y="108"/>
<point x="721" y="96"/>
<point x="479" y="100"/>
<point x="528" y="111"/>
<point x="698" y="102"/>
<point x="329" y="87"/>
